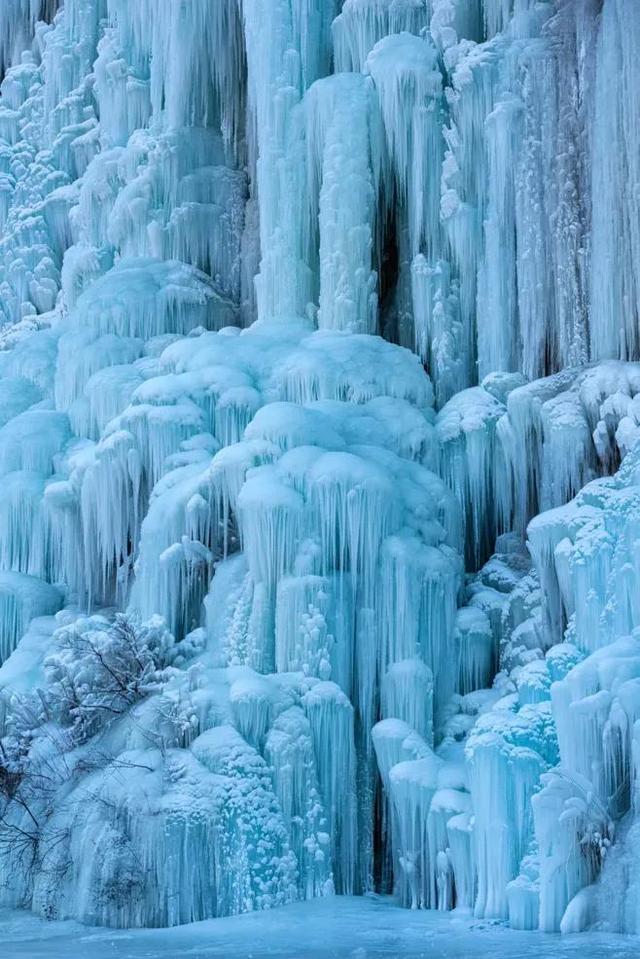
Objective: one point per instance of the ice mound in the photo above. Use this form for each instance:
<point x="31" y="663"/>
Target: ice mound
<point x="163" y="763"/>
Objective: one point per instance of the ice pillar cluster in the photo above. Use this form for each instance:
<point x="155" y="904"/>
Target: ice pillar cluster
<point x="319" y="422"/>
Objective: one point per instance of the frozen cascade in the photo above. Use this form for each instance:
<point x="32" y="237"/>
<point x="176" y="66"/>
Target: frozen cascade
<point x="615" y="280"/>
<point x="344" y="141"/>
<point x="361" y="23"/>
<point x="319" y="421"/>
<point x="288" y="47"/>
<point x="405" y="71"/>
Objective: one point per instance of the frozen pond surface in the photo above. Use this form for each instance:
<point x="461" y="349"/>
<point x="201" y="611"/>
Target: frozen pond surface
<point x="340" y="928"/>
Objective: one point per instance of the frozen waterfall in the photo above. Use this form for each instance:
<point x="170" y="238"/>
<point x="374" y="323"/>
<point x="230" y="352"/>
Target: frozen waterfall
<point x="319" y="456"/>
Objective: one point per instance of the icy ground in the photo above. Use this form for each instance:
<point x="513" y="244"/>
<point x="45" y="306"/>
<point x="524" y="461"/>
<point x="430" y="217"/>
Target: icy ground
<point x="371" y="927"/>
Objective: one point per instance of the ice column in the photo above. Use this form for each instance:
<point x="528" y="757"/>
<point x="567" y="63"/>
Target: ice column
<point x="287" y="49"/>
<point x="615" y="287"/>
<point x="344" y="142"/>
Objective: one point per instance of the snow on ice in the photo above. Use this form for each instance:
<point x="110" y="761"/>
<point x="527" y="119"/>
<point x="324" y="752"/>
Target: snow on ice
<point x="319" y="421"/>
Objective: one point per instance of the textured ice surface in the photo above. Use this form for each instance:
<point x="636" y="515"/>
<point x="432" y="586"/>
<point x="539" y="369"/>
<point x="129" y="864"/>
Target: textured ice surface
<point x="338" y="928"/>
<point x="319" y="421"/>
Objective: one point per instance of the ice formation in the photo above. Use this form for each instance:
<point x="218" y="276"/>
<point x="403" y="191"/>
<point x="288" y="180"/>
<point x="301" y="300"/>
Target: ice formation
<point x="319" y="422"/>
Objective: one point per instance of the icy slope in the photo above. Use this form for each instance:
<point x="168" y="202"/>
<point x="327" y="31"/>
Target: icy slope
<point x="318" y="421"/>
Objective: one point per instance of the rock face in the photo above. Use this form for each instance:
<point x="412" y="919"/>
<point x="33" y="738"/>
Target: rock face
<point x="319" y="379"/>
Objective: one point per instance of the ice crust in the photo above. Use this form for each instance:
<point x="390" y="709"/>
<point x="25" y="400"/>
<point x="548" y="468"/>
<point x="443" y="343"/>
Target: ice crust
<point x="319" y="421"/>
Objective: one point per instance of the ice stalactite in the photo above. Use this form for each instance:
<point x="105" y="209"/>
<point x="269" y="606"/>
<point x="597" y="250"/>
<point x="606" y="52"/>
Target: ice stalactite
<point x="288" y="48"/>
<point x="499" y="109"/>
<point x="23" y="598"/>
<point x="615" y="281"/>
<point x="345" y="166"/>
<point x="470" y="99"/>
<point x="407" y="694"/>
<point x="407" y="77"/>
<point x="438" y="330"/>
<point x="361" y="23"/>
<point x="467" y="427"/>
<point x="498" y="344"/>
<point x="17" y="24"/>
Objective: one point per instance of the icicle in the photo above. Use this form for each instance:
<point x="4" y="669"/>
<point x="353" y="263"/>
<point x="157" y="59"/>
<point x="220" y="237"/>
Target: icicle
<point x="467" y="427"/>
<point x="178" y="542"/>
<point x="193" y="87"/>
<point x="145" y="298"/>
<point x="566" y="863"/>
<point x="32" y="440"/>
<point x="407" y="76"/>
<point x="314" y="628"/>
<point x="271" y="518"/>
<point x="461" y="854"/>
<point x="251" y="699"/>
<point x="437" y="326"/>
<point x="17" y="23"/>
<point x="407" y="694"/>
<point x="615" y="277"/>
<point x="505" y="754"/>
<point x="110" y="504"/>
<point x="287" y="49"/>
<point x="22" y="598"/>
<point x="331" y="719"/>
<point x="498" y="343"/>
<point x="362" y="23"/>
<point x="476" y="650"/>
<point x="413" y="785"/>
<point x="395" y="742"/>
<point x="289" y="751"/>
<point x="23" y="541"/>
<point x="343" y="148"/>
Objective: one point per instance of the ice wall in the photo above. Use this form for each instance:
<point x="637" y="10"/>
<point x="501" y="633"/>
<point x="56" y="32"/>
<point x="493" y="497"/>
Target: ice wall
<point x="319" y="378"/>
